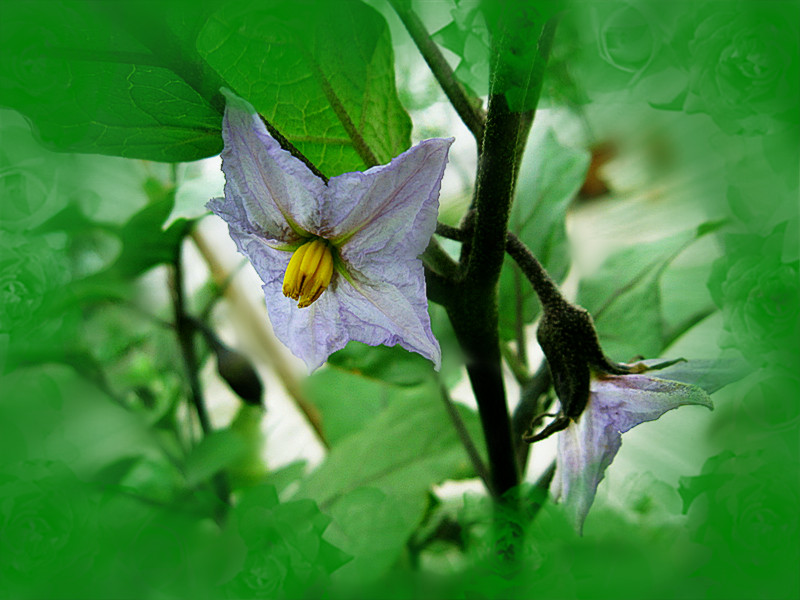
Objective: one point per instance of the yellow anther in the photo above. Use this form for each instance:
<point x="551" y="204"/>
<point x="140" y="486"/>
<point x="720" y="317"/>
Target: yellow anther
<point x="309" y="272"/>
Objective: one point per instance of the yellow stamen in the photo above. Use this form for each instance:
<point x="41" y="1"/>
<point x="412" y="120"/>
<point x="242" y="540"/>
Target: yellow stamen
<point x="309" y="272"/>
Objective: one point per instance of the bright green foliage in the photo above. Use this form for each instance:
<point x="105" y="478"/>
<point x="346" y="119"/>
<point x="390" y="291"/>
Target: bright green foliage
<point x="89" y="86"/>
<point x="467" y="36"/>
<point x="400" y="452"/>
<point x="499" y="41"/>
<point x="335" y="101"/>
<point x="107" y="484"/>
<point x="759" y="294"/>
<point x="625" y="297"/>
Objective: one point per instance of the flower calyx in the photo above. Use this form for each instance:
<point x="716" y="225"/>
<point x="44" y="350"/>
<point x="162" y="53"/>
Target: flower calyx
<point x="570" y="344"/>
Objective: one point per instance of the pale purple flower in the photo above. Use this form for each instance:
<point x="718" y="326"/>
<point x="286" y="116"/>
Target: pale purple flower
<point x="361" y="235"/>
<point x="589" y="443"/>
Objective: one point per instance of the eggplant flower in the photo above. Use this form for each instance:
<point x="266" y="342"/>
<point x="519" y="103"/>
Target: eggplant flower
<point x="590" y="442"/>
<point x="339" y="261"/>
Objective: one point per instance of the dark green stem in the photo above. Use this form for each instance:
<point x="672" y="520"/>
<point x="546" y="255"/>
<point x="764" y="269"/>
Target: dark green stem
<point x="545" y="288"/>
<point x="472" y="306"/>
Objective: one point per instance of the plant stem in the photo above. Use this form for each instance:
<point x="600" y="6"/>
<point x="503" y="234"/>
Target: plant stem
<point x="463" y="435"/>
<point x="184" y="330"/>
<point x="185" y="333"/>
<point x="543" y="285"/>
<point x="472" y="306"/>
<point x="529" y="406"/>
<point x="468" y="108"/>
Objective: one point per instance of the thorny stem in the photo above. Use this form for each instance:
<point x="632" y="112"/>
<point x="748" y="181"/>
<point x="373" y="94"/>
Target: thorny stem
<point x="468" y="108"/>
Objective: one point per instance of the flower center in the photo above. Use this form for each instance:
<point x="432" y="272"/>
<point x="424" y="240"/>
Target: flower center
<point x="309" y="272"/>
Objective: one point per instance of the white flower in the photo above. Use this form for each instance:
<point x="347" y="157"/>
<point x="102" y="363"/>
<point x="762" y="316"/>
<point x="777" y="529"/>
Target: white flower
<point x="339" y="261"/>
<point x="590" y="442"/>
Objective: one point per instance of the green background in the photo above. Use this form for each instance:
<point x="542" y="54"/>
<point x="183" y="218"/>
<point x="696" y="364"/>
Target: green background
<point x="99" y="498"/>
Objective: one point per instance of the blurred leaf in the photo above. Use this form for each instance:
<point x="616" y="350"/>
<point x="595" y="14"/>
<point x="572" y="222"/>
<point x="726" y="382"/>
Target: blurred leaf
<point x="285" y="554"/>
<point x="393" y="364"/>
<point x="282" y="477"/>
<point x="467" y="37"/>
<point x="550" y="176"/>
<point x="250" y="469"/>
<point x="347" y="401"/>
<point x="624" y="296"/>
<point x="113" y="474"/>
<point x="144" y="242"/>
<point x="309" y="67"/>
<point x="368" y="525"/>
<point x="89" y="87"/>
<point x="399" y="455"/>
<point x="711" y="375"/>
<point x="215" y="452"/>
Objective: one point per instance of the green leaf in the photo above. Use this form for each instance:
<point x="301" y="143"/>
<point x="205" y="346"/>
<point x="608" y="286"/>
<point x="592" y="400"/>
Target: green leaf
<point x="215" y="452"/>
<point x="625" y="295"/>
<point x="368" y="525"/>
<point x="711" y="375"/>
<point x="347" y="401"/>
<point x="550" y="176"/>
<point x="144" y="242"/>
<point x="390" y="364"/>
<point x="387" y="469"/>
<point x="322" y="72"/>
<point x="88" y="86"/>
<point x="468" y="38"/>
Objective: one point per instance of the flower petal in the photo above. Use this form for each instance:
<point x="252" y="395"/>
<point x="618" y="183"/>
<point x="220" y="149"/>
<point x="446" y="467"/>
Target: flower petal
<point x="586" y="448"/>
<point x="275" y="190"/>
<point x="373" y="312"/>
<point x="391" y="209"/>
<point x="628" y="400"/>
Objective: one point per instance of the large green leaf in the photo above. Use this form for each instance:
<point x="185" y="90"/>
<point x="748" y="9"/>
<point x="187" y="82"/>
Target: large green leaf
<point x="89" y="86"/>
<point x="625" y="296"/>
<point x="375" y="481"/>
<point x="322" y="72"/>
<point x="550" y="176"/>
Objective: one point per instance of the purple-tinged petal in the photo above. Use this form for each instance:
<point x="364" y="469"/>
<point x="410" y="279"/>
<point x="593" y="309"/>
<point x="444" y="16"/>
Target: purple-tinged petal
<point x="276" y="191"/>
<point x="373" y="312"/>
<point x="268" y="261"/>
<point x="628" y="400"/>
<point x="389" y="211"/>
<point x="586" y="448"/>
